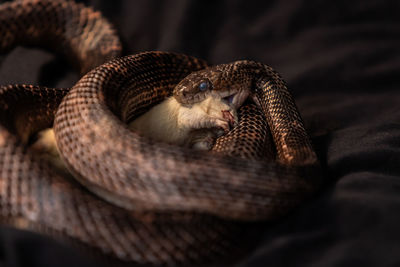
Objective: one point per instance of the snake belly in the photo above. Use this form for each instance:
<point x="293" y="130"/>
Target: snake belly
<point x="137" y="200"/>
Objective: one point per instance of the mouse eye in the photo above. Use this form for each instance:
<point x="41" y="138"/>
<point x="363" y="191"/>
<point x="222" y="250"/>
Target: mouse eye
<point x="203" y="86"/>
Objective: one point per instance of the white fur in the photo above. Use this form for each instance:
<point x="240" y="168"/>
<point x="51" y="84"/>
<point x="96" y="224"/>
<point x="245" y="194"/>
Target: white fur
<point x="171" y="122"/>
<point x="46" y="148"/>
<point x="168" y="122"/>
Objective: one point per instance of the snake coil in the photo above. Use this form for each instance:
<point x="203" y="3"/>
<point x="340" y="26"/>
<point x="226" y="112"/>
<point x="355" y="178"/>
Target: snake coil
<point x="139" y="200"/>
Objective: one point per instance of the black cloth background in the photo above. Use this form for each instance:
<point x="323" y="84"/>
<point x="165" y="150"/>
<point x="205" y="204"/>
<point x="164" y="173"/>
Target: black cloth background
<point x="342" y="64"/>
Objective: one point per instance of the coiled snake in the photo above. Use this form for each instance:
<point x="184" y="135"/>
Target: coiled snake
<point x="163" y="204"/>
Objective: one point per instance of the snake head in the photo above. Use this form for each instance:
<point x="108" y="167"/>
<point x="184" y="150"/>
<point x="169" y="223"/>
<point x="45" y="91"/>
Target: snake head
<point x="196" y="87"/>
<point x="215" y="82"/>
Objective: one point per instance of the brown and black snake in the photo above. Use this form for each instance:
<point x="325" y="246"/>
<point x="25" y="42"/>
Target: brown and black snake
<point x="138" y="200"/>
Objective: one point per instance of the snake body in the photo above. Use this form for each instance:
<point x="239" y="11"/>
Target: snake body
<point x="140" y="200"/>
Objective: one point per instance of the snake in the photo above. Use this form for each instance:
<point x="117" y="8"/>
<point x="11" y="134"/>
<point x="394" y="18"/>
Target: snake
<point x="134" y="199"/>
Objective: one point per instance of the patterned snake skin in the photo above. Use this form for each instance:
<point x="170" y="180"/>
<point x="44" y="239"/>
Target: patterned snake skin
<point x="138" y="200"/>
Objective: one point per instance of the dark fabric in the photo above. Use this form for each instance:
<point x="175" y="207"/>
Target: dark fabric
<point x="341" y="60"/>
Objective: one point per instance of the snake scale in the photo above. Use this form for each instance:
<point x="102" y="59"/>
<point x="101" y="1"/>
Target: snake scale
<point x="138" y="200"/>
